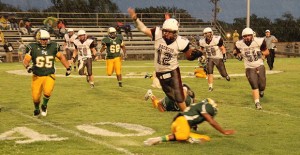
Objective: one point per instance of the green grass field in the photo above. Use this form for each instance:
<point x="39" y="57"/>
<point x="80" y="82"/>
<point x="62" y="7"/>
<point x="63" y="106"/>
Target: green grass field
<point x="78" y="116"/>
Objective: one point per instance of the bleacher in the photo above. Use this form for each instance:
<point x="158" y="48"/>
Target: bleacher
<point x="97" y="27"/>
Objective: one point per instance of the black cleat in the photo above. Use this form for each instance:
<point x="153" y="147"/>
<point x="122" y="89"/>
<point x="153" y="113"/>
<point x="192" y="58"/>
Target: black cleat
<point x="120" y="84"/>
<point x="227" y="78"/>
<point x="44" y="110"/>
<point x="36" y="113"/>
<point x="210" y="89"/>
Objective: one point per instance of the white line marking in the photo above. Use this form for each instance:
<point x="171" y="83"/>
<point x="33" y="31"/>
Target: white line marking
<point x="131" y="75"/>
<point x="77" y="134"/>
<point x="271" y="112"/>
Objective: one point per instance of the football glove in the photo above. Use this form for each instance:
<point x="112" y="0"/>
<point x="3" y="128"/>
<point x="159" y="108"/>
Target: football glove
<point x="224" y="57"/>
<point x="195" y="54"/>
<point x="202" y="59"/>
<point x="68" y="72"/>
<point x="239" y="57"/>
<point x="29" y="69"/>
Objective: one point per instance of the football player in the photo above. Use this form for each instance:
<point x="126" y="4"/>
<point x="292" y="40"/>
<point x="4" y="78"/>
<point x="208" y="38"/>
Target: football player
<point x="215" y="54"/>
<point x="113" y="44"/>
<point x="168" y="44"/>
<point x="193" y="115"/>
<point x="69" y="46"/>
<point x="42" y="54"/>
<point x="166" y="104"/>
<point x="253" y="50"/>
<point x="85" y="49"/>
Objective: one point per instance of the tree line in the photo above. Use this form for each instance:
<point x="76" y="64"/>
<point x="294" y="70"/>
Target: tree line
<point x="286" y="28"/>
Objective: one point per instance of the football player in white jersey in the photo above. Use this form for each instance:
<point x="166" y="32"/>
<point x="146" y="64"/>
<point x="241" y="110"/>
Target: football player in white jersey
<point x="215" y="53"/>
<point x="85" y="49"/>
<point x="253" y="50"/>
<point x="167" y="45"/>
<point x="69" y="46"/>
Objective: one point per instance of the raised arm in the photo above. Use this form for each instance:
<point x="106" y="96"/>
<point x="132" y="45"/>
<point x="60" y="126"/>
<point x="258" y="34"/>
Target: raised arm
<point x="139" y="24"/>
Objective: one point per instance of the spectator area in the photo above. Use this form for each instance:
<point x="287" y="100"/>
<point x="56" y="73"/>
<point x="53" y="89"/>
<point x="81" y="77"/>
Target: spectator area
<point x="137" y="47"/>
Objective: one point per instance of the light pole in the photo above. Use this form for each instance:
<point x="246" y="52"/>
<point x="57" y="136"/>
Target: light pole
<point x="248" y="14"/>
<point x="216" y="10"/>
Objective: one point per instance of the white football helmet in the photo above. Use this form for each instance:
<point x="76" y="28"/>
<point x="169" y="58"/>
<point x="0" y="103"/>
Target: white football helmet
<point x="207" y="30"/>
<point x="171" y="24"/>
<point x="44" y="34"/>
<point x="70" y="30"/>
<point x="111" y="32"/>
<point x="81" y="32"/>
<point x="247" y="31"/>
<point x="208" y="33"/>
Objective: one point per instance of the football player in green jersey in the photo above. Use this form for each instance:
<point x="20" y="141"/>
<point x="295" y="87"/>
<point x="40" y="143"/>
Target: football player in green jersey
<point x="42" y="54"/>
<point x="193" y="115"/>
<point x="166" y="104"/>
<point x="113" y="44"/>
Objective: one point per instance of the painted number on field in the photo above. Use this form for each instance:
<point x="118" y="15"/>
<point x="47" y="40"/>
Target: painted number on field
<point x="24" y="135"/>
<point x="134" y="129"/>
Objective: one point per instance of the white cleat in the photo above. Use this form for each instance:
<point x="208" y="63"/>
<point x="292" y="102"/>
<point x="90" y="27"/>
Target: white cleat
<point x="148" y="94"/>
<point x="258" y="106"/>
<point x="194" y="140"/>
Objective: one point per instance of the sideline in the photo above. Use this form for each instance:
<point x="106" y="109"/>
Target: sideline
<point x="77" y="134"/>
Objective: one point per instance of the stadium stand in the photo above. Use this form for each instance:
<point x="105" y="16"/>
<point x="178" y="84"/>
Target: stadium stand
<point x="140" y="47"/>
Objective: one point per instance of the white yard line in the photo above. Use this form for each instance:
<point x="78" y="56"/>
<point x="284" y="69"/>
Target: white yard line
<point x="75" y="133"/>
<point x="132" y="75"/>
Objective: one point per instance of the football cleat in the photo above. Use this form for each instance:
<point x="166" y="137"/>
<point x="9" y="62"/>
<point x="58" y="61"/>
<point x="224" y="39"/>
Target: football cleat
<point x="44" y="110"/>
<point x="210" y="89"/>
<point x="195" y="127"/>
<point x="261" y="93"/>
<point x="120" y="84"/>
<point x="227" y="78"/>
<point x="92" y="86"/>
<point x="258" y="106"/>
<point x="152" y="141"/>
<point x="148" y="94"/>
<point x="194" y="140"/>
<point x="36" y="113"/>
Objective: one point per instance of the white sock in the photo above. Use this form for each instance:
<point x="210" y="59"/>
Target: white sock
<point x="210" y="85"/>
<point x="256" y="100"/>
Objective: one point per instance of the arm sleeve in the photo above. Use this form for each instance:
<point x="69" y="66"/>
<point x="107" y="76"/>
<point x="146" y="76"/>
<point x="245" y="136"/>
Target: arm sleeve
<point x="153" y="33"/>
<point x="263" y="46"/>
<point x="186" y="48"/>
<point x="221" y="42"/>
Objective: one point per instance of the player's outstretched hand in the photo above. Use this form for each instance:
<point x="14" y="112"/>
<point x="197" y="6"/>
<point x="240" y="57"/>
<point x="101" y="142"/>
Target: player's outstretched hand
<point x="132" y="13"/>
<point x="229" y="132"/>
<point x="29" y="69"/>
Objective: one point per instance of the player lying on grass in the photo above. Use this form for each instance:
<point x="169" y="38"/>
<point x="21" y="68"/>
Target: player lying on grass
<point x="192" y="116"/>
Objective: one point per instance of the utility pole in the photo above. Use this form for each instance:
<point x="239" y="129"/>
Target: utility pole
<point x="216" y="10"/>
<point x="248" y="13"/>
